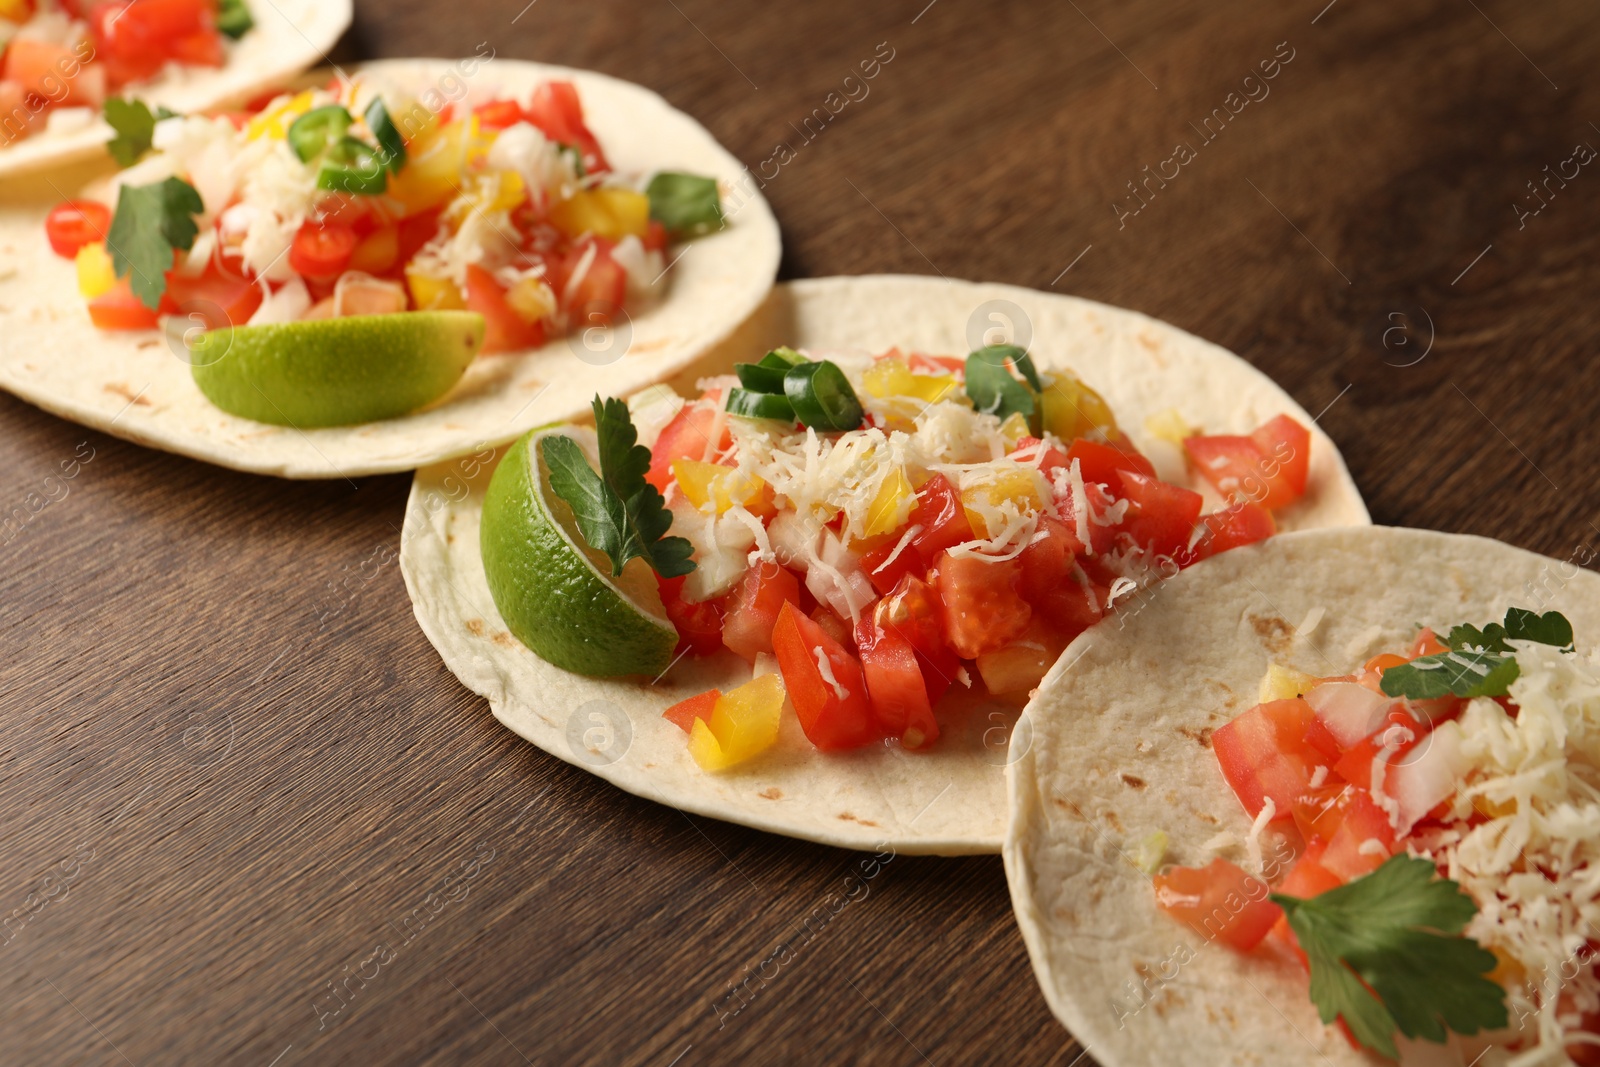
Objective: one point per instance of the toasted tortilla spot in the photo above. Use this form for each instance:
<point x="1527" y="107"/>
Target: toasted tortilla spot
<point x="1201" y="737"/>
<point x="772" y="792"/>
<point x="131" y="396"/>
<point x="1134" y="780"/>
<point x="1274" y="632"/>
<point x="475" y="627"/>
<point x="847" y="817"/>
<point x="504" y="640"/>
<point x="1111" y="817"/>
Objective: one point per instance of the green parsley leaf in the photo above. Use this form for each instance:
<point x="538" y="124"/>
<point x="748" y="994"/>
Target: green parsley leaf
<point x="135" y="126"/>
<point x="686" y="204"/>
<point x="150" y="222"/>
<point x="995" y="391"/>
<point x="234" y="18"/>
<point x="1480" y="662"/>
<point x="1398" y="930"/>
<point x="618" y="512"/>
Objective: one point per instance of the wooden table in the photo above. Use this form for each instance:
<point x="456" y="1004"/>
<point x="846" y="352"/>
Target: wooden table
<point x="243" y="769"/>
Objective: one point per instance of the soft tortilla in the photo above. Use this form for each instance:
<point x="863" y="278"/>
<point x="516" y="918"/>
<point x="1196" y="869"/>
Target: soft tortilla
<point x="949" y="800"/>
<point x="1119" y="750"/>
<point x="288" y="37"/>
<point x="132" y="384"/>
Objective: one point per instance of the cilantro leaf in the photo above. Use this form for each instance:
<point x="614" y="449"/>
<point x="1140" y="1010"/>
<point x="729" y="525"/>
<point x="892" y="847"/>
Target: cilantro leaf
<point x="618" y="512"/>
<point x="993" y="389"/>
<point x="1480" y="662"/>
<point x="1398" y="930"/>
<point x="135" y="126"/>
<point x="234" y="18"/>
<point x="150" y="222"/>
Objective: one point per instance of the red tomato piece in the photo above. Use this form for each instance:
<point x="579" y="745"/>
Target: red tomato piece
<point x="1363" y="821"/>
<point x="983" y="605"/>
<point x="912" y="611"/>
<point x="203" y="48"/>
<point x="220" y="300"/>
<point x="55" y="74"/>
<point x="72" y="224"/>
<point x="699" y="625"/>
<point x="885" y="572"/>
<point x="655" y="237"/>
<point x="556" y="110"/>
<point x="1399" y="730"/>
<point x="596" y="297"/>
<point x="942" y="517"/>
<point x="1100" y="463"/>
<point x="1161" y="517"/>
<point x="699" y="431"/>
<point x="1263" y="753"/>
<point x="504" y="329"/>
<point x="1286" y="459"/>
<point x="753" y="608"/>
<point x="322" y="249"/>
<point x="416" y="231"/>
<point x="685" y="712"/>
<point x="498" y="114"/>
<point x="1239" y="525"/>
<point x="1268" y="468"/>
<point x="925" y="364"/>
<point x="119" y="309"/>
<point x="834" y="712"/>
<point x="1219" y="902"/>
<point x="1050" y="581"/>
<point x="895" y="687"/>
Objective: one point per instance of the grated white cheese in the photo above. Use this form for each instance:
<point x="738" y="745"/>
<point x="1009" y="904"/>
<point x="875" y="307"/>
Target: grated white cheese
<point x="826" y="669"/>
<point x="1252" y="841"/>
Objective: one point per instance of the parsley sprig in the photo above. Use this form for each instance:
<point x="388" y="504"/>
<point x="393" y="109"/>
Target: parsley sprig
<point x="151" y="222"/>
<point x="995" y="391"/>
<point x="135" y="127"/>
<point x="1387" y="954"/>
<point x="618" y="512"/>
<point x="1479" y="663"/>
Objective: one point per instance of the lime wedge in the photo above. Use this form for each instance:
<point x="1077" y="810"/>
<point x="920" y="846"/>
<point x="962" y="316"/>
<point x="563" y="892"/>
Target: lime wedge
<point x="555" y="593"/>
<point x="335" y="372"/>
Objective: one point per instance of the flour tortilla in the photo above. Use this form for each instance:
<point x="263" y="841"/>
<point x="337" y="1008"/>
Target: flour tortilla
<point x="1118" y="751"/>
<point x="288" y="37"/>
<point x="132" y="385"/>
<point x="949" y="800"/>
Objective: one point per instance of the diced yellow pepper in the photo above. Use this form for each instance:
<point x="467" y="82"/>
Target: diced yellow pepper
<point x="1168" y="425"/>
<point x="416" y="123"/>
<point x="1014" y="428"/>
<point x="892" y="376"/>
<point x="432" y="174"/>
<point x="432" y="293"/>
<point x="508" y="190"/>
<point x="1071" y="409"/>
<point x="1020" y="485"/>
<point x="713" y="488"/>
<point x="275" y="121"/>
<point x="531" y="299"/>
<point x="1284" y="683"/>
<point x="95" y="274"/>
<point x="743" y="724"/>
<point x="16" y="10"/>
<point x="609" y="213"/>
<point x="892" y="506"/>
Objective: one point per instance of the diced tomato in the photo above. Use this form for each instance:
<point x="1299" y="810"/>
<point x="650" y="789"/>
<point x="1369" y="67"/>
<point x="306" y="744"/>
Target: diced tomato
<point x="16" y="117"/>
<point x="913" y="612"/>
<point x="230" y="300"/>
<point x="498" y="114"/>
<point x="56" y="75"/>
<point x="1268" y="468"/>
<point x="596" y="297"/>
<point x="1050" y="581"/>
<point x="1263" y="754"/>
<point x="416" y="231"/>
<point x="1399" y="730"/>
<point x="1239" y="525"/>
<point x="504" y="329"/>
<point x="753" y="608"/>
<point x="1052" y="459"/>
<point x="322" y="249"/>
<point x="655" y="237"/>
<point x="1161" y="517"/>
<point x="834" y="712"/>
<point x="200" y="49"/>
<point x="556" y="110"/>
<point x="699" y="625"/>
<point x="699" y="431"/>
<point x="133" y="38"/>
<point x="119" y="309"/>
<point x="378" y="252"/>
<point x="895" y="687"/>
<point x="1363" y="821"/>
<point x="1020" y="665"/>
<point x="1219" y="902"/>
<point x="1100" y="463"/>
<point x="885" y="569"/>
<point x="983" y="605"/>
<point x="1318" y="812"/>
<point x="942" y="517"/>
<point x="1426" y="644"/>
<point x="685" y="712"/>
<point x="832" y="624"/>
<point x="72" y="224"/>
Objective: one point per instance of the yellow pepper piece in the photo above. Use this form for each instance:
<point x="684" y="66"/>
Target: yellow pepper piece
<point x="1014" y="429"/>
<point x="1071" y="409"/>
<point x="275" y="122"/>
<point x="892" y="376"/>
<point x="713" y="488"/>
<point x="1019" y="485"/>
<point x="95" y="274"/>
<point x="608" y="213"/>
<point x="1168" y="425"/>
<point x="432" y="174"/>
<point x="1283" y="683"/>
<point x="892" y="506"/>
<point x="432" y="293"/>
<point x="531" y="299"/>
<point x="743" y="724"/>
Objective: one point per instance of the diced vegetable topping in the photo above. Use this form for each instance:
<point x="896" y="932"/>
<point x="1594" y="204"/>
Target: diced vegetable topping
<point x="743" y="724"/>
<point x="687" y="205"/>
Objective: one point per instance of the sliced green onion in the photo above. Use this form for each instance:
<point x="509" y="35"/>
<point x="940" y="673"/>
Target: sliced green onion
<point x="234" y="19"/>
<point x="352" y="166"/>
<point x="686" y="204"/>
<point x="753" y="405"/>
<point x="318" y="130"/>
<point x="822" y="397"/>
<point x="389" y="140"/>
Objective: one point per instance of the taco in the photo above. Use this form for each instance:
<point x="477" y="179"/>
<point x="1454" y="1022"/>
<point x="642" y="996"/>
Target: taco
<point x="415" y="263"/>
<point x="758" y="666"/>
<point x="1331" y="798"/>
<point x="66" y="60"/>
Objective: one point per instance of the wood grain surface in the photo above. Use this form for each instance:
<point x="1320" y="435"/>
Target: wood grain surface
<point x="243" y="770"/>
